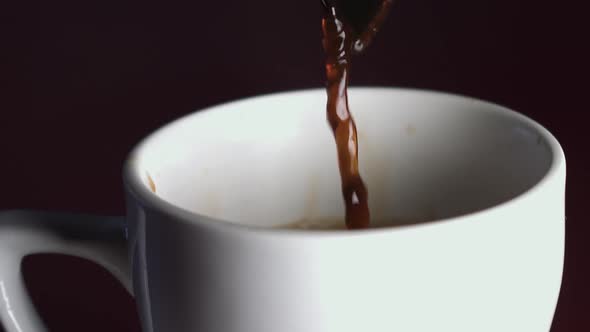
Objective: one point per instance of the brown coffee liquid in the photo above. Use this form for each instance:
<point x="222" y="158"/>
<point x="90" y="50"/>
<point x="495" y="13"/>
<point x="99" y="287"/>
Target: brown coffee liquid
<point x="340" y="40"/>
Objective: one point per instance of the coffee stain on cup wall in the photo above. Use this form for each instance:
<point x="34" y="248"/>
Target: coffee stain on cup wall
<point x="151" y="183"/>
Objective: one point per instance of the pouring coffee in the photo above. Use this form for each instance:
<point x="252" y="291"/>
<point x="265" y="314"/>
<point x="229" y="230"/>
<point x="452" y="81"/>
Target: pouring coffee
<point x="348" y="28"/>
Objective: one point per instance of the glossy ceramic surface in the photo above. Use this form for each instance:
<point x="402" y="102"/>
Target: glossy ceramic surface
<point x="472" y="194"/>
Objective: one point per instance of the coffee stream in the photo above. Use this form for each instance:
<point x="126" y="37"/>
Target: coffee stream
<point x="342" y="38"/>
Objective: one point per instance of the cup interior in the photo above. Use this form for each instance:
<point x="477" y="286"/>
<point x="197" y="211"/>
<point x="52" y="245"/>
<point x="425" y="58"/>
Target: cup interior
<point x="271" y="160"/>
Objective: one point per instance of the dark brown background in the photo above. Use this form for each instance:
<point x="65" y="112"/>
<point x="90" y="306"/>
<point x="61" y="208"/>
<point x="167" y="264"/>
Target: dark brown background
<point x="81" y="83"/>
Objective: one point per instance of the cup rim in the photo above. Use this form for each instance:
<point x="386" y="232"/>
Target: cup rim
<point x="135" y="186"/>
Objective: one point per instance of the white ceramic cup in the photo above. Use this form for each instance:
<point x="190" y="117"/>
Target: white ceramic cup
<point x="471" y="194"/>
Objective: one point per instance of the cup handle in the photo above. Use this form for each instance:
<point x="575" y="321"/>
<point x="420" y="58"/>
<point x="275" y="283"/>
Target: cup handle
<point x="98" y="238"/>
